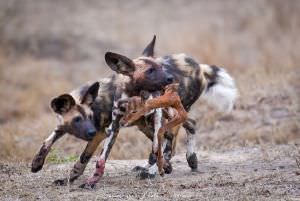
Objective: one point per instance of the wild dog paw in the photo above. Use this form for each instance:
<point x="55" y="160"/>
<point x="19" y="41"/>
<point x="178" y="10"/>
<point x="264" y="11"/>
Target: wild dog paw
<point x="146" y="175"/>
<point x="35" y="169"/>
<point x="193" y="161"/>
<point x="37" y="163"/>
<point x="61" y="182"/>
<point x="88" y="185"/>
<point x="138" y="169"/>
<point x="91" y="182"/>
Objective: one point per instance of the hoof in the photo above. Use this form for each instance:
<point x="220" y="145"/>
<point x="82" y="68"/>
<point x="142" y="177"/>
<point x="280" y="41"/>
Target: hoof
<point x="146" y="175"/>
<point x="61" y="182"/>
<point x="138" y="169"/>
<point x="193" y="162"/>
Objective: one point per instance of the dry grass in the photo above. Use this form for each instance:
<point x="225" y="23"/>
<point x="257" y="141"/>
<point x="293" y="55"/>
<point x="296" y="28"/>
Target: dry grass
<point x="44" y="54"/>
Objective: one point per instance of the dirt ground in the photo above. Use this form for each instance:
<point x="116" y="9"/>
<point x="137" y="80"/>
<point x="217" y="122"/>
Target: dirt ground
<point x="256" y="173"/>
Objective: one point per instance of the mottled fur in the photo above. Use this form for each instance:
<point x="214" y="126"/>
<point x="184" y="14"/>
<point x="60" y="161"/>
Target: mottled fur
<point x="152" y="74"/>
<point x="193" y="82"/>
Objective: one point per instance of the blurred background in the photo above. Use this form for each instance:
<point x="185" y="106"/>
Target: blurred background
<point x="50" y="47"/>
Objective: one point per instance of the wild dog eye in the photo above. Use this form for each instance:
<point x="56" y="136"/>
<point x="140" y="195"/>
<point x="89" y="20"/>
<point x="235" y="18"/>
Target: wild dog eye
<point x="77" y="119"/>
<point x="151" y="70"/>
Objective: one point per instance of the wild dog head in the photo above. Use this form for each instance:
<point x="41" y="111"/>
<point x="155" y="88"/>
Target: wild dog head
<point x="77" y="116"/>
<point x="144" y="71"/>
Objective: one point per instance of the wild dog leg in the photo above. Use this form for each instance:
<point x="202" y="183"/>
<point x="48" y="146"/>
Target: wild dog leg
<point x="152" y="169"/>
<point x="176" y="120"/>
<point x="148" y="130"/>
<point x="100" y="163"/>
<point x="136" y="103"/>
<point x="170" y="148"/>
<point x="111" y="135"/>
<point x="157" y="125"/>
<point x="169" y="151"/>
<point x="85" y="157"/>
<point x="153" y="160"/>
<point x="191" y="156"/>
<point x="39" y="158"/>
<point x="169" y="99"/>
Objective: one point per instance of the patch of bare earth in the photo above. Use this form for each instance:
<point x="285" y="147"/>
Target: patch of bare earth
<point x="256" y="173"/>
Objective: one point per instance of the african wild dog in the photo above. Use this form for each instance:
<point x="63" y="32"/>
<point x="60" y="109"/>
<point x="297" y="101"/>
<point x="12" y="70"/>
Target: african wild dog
<point x="152" y="74"/>
<point x="78" y="117"/>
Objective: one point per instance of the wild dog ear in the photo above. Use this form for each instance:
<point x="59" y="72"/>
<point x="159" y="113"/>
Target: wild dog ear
<point x="119" y="63"/>
<point x="149" y="50"/>
<point x="62" y="103"/>
<point x="91" y="94"/>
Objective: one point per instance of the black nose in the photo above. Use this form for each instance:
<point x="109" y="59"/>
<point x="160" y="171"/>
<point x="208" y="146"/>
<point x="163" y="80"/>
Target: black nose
<point x="91" y="133"/>
<point x="170" y="79"/>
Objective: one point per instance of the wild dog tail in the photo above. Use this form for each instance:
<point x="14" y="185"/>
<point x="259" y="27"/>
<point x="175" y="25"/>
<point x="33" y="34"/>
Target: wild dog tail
<point x="220" y="89"/>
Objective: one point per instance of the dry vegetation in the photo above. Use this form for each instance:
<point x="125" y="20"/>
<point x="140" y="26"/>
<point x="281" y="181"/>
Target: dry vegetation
<point x="50" y="48"/>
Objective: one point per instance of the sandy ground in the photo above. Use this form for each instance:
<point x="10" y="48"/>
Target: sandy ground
<point x="257" y="173"/>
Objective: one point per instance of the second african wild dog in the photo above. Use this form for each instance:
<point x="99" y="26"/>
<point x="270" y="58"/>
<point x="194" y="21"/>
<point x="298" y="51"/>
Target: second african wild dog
<point x="152" y="74"/>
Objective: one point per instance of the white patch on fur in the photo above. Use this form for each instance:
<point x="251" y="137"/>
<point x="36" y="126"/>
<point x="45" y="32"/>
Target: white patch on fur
<point x="107" y="141"/>
<point x="153" y="169"/>
<point x="171" y="112"/>
<point x="190" y="144"/>
<point x="108" y="129"/>
<point x="124" y="95"/>
<point x="165" y="144"/>
<point x="222" y="94"/>
<point x="157" y="126"/>
<point x="151" y="111"/>
<point x="116" y="110"/>
<point x="180" y="59"/>
<point x="50" y="139"/>
<point x="147" y="165"/>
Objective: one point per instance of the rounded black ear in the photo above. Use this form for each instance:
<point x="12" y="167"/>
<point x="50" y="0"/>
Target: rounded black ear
<point x="119" y="63"/>
<point x="149" y="50"/>
<point x="91" y="94"/>
<point x="62" y="103"/>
